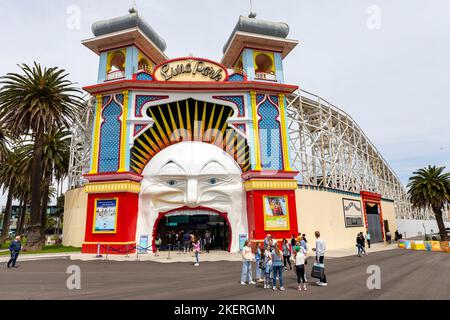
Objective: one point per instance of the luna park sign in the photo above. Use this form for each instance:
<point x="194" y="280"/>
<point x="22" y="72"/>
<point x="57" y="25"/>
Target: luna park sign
<point x="190" y="69"/>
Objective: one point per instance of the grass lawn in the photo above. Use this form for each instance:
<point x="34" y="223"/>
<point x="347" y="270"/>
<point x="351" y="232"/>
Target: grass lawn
<point x="47" y="249"/>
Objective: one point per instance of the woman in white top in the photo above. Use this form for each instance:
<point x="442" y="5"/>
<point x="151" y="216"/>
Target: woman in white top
<point x="247" y="257"/>
<point x="299" y="258"/>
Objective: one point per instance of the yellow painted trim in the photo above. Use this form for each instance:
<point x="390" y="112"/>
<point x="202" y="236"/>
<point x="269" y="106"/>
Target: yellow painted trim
<point x="269" y="54"/>
<point x="257" y="148"/>
<point x="123" y="138"/>
<point x="96" y="140"/>
<point x="279" y="184"/>
<point x="284" y="141"/>
<point x="116" y="186"/>
<point x="95" y="217"/>
<point x="110" y="57"/>
<point x="287" y="213"/>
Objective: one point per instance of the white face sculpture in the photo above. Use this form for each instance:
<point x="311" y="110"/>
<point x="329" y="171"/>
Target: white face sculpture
<point x="192" y="174"/>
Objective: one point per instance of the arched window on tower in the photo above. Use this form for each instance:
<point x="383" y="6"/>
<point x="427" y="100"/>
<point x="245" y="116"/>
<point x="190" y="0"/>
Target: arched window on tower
<point x="115" y="68"/>
<point x="264" y="66"/>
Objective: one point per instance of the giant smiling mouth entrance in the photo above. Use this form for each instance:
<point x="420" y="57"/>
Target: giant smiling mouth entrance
<point x="197" y="221"/>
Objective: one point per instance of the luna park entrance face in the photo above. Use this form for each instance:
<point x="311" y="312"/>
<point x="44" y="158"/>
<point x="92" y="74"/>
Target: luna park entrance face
<point x="209" y="226"/>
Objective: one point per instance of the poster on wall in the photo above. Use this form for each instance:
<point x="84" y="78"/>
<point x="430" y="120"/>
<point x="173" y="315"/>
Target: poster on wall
<point x="352" y="213"/>
<point x="276" y="216"/>
<point x="105" y="215"/>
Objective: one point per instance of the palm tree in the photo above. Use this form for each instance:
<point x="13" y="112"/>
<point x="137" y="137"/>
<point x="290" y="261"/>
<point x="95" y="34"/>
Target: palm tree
<point x="32" y="103"/>
<point x="4" y="142"/>
<point x="9" y="175"/>
<point x="430" y="187"/>
<point x="55" y="164"/>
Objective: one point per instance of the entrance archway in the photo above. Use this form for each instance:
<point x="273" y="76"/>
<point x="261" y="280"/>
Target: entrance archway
<point x="196" y="221"/>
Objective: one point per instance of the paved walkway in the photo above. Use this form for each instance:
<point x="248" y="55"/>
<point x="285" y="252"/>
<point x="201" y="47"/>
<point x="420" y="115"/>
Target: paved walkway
<point x="405" y="274"/>
<point x="189" y="257"/>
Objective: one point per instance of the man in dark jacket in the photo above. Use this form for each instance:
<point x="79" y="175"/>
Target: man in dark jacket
<point x="14" y="249"/>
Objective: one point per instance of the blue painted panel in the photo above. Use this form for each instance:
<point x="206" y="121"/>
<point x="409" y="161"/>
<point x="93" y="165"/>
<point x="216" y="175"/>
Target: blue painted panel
<point x="248" y="64"/>
<point x="110" y="138"/>
<point x="269" y="136"/>
<point x="279" y="67"/>
<point x="102" y="67"/>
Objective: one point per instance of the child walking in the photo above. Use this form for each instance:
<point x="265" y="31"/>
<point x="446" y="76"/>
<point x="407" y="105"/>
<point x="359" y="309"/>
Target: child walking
<point x="196" y="248"/>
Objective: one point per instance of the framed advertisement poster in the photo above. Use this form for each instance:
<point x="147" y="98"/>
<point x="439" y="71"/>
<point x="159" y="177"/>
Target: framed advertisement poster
<point x="276" y="215"/>
<point x="352" y="213"/>
<point x="105" y="215"/>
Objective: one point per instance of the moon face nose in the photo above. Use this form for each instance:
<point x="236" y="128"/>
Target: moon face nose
<point x="192" y="193"/>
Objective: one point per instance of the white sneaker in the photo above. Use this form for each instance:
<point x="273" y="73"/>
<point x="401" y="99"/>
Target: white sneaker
<point x="252" y="282"/>
<point x="299" y="288"/>
<point x="243" y="283"/>
<point x="274" y="288"/>
<point x="196" y="264"/>
<point x="282" y="289"/>
<point x="322" y="284"/>
<point x="304" y="287"/>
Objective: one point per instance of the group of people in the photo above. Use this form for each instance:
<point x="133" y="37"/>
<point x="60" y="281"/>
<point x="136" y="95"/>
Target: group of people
<point x="184" y="241"/>
<point x="361" y="243"/>
<point x="272" y="259"/>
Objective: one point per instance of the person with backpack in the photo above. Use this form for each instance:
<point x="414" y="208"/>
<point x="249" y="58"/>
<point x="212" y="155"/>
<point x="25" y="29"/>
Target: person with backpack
<point x="207" y="241"/>
<point x="196" y="248"/>
<point x="368" y="238"/>
<point x="277" y="265"/>
<point x="363" y="244"/>
<point x="286" y="255"/>
<point x="299" y="259"/>
<point x="186" y="241"/>
<point x="247" y="258"/>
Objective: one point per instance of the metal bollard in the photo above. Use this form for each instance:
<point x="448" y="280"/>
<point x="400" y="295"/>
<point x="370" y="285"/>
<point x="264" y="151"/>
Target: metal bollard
<point x="168" y="256"/>
<point x="137" y="253"/>
<point x="107" y="251"/>
<point x="98" y="251"/>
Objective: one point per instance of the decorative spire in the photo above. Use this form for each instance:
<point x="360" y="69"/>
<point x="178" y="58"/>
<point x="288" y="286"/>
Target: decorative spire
<point x="252" y="14"/>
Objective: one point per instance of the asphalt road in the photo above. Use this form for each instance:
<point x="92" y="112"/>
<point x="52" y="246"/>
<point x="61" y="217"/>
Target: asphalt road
<point x="404" y="275"/>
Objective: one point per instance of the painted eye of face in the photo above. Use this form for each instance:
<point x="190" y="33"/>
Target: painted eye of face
<point x="172" y="182"/>
<point x="212" y="181"/>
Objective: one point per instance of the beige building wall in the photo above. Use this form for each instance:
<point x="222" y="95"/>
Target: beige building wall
<point x="388" y="212"/>
<point x="74" y="225"/>
<point x="322" y="210"/>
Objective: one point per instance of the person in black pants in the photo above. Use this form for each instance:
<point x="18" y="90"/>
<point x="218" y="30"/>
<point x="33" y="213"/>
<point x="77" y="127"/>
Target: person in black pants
<point x="14" y="249"/>
<point x="286" y="255"/>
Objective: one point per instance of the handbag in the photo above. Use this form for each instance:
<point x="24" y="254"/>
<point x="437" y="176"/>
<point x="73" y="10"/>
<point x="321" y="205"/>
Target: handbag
<point x="318" y="270"/>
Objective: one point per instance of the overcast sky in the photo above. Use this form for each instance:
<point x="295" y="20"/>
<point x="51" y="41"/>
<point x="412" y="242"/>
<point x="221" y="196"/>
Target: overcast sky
<point x="385" y="62"/>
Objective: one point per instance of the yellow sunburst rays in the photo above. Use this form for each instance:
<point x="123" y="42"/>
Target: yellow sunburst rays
<point x="160" y="129"/>
<point x="181" y="123"/>
<point x="166" y="126"/>
<point x="208" y="131"/>
<point x="188" y="122"/>
<point x="221" y="131"/>
<point x="175" y="136"/>
<point x="196" y="123"/>
<point x="150" y="150"/>
<point x="202" y="128"/>
<point x="242" y="153"/>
